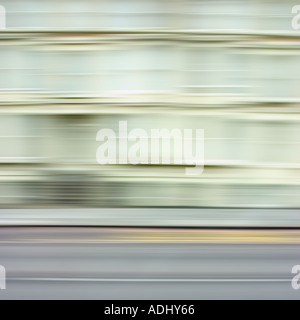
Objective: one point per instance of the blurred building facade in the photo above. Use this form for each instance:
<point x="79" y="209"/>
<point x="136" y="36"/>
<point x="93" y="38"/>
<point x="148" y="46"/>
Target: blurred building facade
<point x="69" y="68"/>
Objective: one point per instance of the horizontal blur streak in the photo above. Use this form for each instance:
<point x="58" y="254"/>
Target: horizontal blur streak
<point x="71" y="68"/>
<point x="212" y="218"/>
<point x="75" y="235"/>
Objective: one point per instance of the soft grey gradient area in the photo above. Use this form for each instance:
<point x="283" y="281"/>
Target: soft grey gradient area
<point x="148" y="271"/>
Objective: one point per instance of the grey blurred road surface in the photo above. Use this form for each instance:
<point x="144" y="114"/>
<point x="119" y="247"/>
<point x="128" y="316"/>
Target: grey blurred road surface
<point x="63" y="269"/>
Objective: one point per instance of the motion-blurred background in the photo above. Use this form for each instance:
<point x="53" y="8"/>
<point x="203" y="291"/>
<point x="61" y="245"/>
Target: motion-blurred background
<point x="69" y="68"/>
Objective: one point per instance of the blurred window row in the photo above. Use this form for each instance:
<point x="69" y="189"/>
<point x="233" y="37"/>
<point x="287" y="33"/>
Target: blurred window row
<point x="179" y="14"/>
<point x="157" y="68"/>
<point x="72" y="139"/>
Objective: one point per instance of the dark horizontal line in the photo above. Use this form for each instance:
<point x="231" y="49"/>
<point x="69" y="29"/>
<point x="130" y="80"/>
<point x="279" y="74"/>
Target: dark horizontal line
<point x="149" y="227"/>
